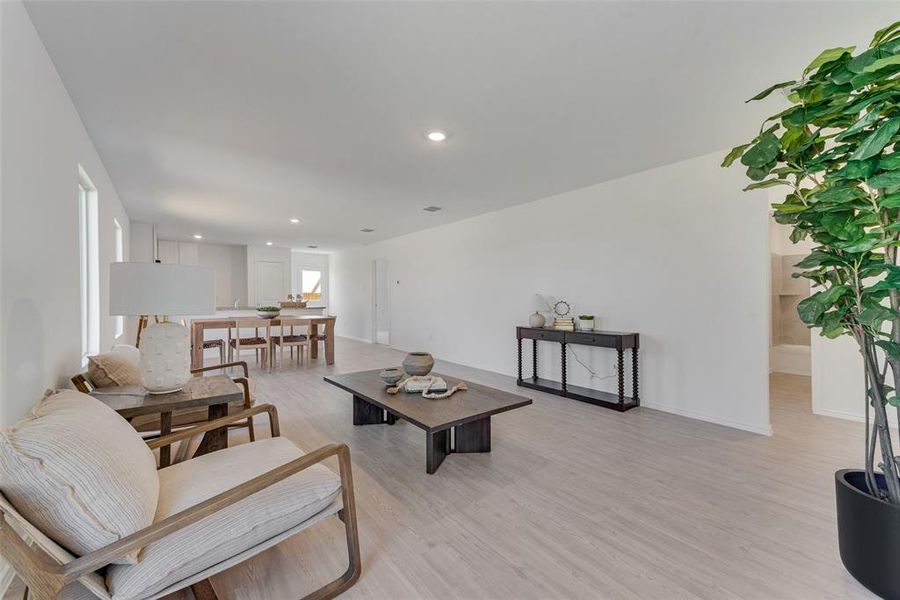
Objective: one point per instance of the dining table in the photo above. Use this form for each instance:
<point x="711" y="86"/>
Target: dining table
<point x="314" y="322"/>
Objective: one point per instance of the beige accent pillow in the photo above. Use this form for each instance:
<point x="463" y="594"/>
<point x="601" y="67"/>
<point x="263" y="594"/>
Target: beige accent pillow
<point x="79" y="472"/>
<point x="113" y="368"/>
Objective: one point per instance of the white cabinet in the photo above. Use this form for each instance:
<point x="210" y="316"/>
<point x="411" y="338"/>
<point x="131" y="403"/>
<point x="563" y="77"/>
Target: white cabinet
<point x="189" y="253"/>
<point x="178" y="253"/>
<point x="167" y="252"/>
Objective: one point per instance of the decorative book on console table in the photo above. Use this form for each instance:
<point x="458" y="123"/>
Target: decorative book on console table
<point x="616" y="340"/>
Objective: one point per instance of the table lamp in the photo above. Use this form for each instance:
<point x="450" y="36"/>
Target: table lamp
<point x="163" y="290"/>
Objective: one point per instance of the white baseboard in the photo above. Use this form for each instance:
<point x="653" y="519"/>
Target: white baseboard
<point x="700" y="416"/>
<point x="839" y="414"/>
<point x="354" y="338"/>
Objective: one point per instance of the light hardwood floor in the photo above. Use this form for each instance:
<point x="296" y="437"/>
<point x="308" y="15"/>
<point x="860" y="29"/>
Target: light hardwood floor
<point x="574" y="501"/>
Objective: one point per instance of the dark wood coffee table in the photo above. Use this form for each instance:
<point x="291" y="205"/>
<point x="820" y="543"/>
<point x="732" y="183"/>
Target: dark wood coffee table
<point x="466" y="413"/>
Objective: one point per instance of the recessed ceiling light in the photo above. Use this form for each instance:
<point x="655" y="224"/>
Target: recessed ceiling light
<point x="366" y="230"/>
<point x="437" y="136"/>
<point x="268" y="243"/>
<point x="432" y="208"/>
<point x="295" y="221"/>
<point x="197" y="236"/>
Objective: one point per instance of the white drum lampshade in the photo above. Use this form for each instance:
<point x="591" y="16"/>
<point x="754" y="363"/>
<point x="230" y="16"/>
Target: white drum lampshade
<point x="162" y="289"/>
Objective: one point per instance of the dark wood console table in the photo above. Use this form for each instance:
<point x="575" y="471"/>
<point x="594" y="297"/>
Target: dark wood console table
<point x="604" y="339"/>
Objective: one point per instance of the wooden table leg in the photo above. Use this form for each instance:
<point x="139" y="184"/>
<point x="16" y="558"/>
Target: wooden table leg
<point x="437" y="447"/>
<point x="165" y="428"/>
<point x="314" y="340"/>
<point x="217" y="439"/>
<point x="196" y="345"/>
<point x="473" y="437"/>
<point x="329" y="342"/>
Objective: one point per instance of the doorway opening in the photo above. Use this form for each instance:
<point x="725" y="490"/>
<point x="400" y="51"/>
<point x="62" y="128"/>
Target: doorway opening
<point x="381" y="308"/>
<point x="790" y="359"/>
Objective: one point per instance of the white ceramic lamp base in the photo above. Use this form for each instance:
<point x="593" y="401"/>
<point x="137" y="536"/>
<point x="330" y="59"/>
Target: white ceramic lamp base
<point x="165" y="357"/>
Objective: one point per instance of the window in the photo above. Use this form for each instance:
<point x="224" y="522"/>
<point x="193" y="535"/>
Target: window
<point x="120" y="256"/>
<point x="89" y="257"/>
<point x="311" y="285"/>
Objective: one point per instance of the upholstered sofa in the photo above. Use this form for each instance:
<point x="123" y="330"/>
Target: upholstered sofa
<point x="85" y="512"/>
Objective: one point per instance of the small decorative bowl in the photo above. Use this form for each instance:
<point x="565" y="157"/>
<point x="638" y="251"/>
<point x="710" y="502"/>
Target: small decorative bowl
<point x="391" y="376"/>
<point x="267" y="314"/>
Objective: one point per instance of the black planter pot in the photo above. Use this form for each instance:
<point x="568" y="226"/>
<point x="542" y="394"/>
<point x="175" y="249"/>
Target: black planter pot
<point x="868" y="534"/>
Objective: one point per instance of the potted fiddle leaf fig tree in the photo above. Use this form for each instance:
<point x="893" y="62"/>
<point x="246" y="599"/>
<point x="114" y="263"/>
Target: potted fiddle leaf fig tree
<point x="835" y="152"/>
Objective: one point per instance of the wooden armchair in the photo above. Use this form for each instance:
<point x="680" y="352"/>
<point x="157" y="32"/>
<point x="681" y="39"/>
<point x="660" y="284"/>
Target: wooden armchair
<point x="47" y="568"/>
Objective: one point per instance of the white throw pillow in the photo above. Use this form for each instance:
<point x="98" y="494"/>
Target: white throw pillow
<point x="79" y="472"/>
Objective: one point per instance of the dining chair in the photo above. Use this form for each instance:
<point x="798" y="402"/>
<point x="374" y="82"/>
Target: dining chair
<point x="292" y="340"/>
<point x="260" y="343"/>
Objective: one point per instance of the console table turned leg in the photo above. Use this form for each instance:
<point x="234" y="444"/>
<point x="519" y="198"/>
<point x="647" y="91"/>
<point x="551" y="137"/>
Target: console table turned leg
<point x="519" y="341"/>
<point x="634" y="375"/>
<point x="621" y="370"/>
<point x="534" y="359"/>
<point x="563" y="345"/>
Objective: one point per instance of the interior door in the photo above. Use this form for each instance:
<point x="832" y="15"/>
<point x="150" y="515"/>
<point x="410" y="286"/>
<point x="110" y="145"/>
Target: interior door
<point x="381" y="307"/>
<point x="269" y="282"/>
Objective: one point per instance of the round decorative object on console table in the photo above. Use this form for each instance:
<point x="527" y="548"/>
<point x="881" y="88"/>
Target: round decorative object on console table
<point x="418" y="363"/>
<point x="537" y="320"/>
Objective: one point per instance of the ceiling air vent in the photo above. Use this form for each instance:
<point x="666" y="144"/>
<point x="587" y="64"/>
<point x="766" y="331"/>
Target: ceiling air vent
<point x="366" y="230"/>
<point x="432" y="208"/>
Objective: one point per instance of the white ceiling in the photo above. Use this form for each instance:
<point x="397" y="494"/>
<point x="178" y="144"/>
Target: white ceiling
<point x="229" y="118"/>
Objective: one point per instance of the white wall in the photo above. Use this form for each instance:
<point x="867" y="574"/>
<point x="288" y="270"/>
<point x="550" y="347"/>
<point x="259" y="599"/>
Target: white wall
<point x="43" y="143"/>
<point x="230" y="264"/>
<point x="272" y="254"/>
<point x="677" y="253"/>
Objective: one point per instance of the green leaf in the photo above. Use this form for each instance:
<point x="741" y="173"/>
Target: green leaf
<point x="885" y="180"/>
<point x="893" y="401"/>
<point x="889" y="162"/>
<point x="771" y="89"/>
<point x="810" y="309"/>
<point x="826" y="57"/>
<point x="801" y="115"/>
<point x="889" y="201"/>
<point x="882" y="63"/>
<point x="819" y="258"/>
<point x="766" y="184"/>
<point x="890" y="348"/>
<point x="874" y="316"/>
<point x="789" y="208"/>
<point x="862" y="244"/>
<point x="832" y="326"/>
<point x="764" y="152"/>
<point x="734" y="154"/>
<point x="840" y="194"/>
<point x="876" y="142"/>
<point x="866" y="120"/>
<point x="884" y="34"/>
<point x="855" y="169"/>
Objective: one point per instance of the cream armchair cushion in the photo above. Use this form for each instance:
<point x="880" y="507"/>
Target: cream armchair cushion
<point x="232" y="530"/>
<point x="79" y="472"/>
